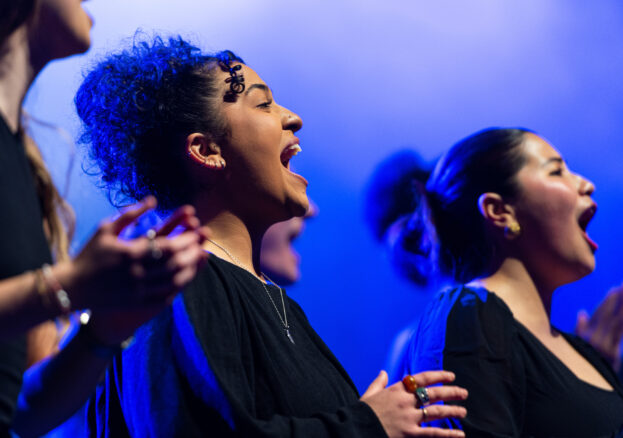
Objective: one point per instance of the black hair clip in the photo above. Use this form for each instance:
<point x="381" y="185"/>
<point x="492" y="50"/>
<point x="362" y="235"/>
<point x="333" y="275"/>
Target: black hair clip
<point x="235" y="81"/>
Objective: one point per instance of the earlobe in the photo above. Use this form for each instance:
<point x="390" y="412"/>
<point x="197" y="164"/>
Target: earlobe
<point x="204" y="152"/>
<point x="499" y="214"/>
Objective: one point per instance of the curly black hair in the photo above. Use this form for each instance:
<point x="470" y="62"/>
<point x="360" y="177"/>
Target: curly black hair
<point x="137" y="107"/>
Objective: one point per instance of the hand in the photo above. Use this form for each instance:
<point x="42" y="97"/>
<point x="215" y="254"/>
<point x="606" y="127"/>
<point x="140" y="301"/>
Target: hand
<point x="396" y="408"/>
<point x="604" y="329"/>
<point x="110" y="274"/>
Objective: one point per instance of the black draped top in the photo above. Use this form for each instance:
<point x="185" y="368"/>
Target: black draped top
<point x="219" y="363"/>
<point x="517" y="387"/>
<point x="23" y="247"/>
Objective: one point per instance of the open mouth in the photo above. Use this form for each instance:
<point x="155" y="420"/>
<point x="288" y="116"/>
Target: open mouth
<point x="289" y="152"/>
<point x="584" y="220"/>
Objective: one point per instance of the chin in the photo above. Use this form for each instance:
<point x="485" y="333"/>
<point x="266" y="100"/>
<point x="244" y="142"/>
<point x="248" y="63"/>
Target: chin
<point x="298" y="208"/>
<point x="581" y="270"/>
<point x="282" y="275"/>
<point x="81" y="43"/>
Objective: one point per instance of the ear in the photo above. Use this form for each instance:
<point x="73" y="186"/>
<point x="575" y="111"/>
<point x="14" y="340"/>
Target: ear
<point x="203" y="151"/>
<point x="496" y="212"/>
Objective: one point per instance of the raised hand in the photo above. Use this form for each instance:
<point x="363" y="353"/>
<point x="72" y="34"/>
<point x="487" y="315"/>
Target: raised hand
<point x="604" y="329"/>
<point x="400" y="412"/>
<point x="126" y="282"/>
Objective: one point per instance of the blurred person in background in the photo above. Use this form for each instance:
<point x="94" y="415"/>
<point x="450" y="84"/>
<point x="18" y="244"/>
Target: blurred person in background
<point x="38" y="280"/>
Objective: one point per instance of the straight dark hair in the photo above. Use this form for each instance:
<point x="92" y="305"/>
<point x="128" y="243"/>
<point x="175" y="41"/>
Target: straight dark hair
<point x="14" y="13"/>
<point x="447" y="230"/>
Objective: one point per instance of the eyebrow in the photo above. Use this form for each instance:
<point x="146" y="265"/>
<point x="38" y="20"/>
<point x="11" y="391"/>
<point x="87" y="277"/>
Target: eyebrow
<point x="553" y="160"/>
<point x="262" y="87"/>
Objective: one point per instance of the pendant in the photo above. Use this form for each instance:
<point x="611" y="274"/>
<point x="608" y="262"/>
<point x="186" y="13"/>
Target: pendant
<point x="290" y="336"/>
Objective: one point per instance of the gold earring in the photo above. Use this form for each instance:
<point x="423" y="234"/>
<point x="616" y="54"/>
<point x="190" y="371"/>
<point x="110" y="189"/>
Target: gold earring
<point x="512" y="231"/>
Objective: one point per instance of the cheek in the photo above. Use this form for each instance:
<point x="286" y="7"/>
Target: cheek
<point x="553" y="211"/>
<point x="259" y="134"/>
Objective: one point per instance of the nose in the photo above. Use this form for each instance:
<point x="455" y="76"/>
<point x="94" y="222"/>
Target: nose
<point x="586" y="187"/>
<point x="290" y="120"/>
<point x="312" y="211"/>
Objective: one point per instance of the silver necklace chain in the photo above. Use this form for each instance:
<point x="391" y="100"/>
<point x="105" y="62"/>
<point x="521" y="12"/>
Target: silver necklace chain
<point x="283" y="320"/>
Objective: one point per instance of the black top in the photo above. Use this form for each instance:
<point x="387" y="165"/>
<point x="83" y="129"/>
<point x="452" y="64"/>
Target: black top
<point x="517" y="387"/>
<point x="23" y="247"/>
<point x="219" y="363"/>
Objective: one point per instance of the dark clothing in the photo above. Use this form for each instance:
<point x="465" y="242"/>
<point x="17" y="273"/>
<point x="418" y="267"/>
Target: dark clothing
<point x="517" y="387"/>
<point x="24" y="247"/>
<point x="219" y="363"/>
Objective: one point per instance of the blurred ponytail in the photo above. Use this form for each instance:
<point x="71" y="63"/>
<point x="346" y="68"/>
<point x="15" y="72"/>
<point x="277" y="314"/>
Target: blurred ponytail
<point x="58" y="217"/>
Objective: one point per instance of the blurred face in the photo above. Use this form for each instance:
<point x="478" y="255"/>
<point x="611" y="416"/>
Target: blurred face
<point x="258" y="154"/>
<point x="279" y="260"/>
<point x="554" y="209"/>
<point x="61" y="28"/>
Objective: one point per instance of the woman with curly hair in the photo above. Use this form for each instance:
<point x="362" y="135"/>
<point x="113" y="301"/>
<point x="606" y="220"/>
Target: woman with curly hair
<point x="234" y="356"/>
<point x="504" y="216"/>
<point x="115" y="279"/>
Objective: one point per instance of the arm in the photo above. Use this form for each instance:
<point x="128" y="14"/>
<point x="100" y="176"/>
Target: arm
<point x="380" y="410"/>
<point x="107" y="274"/>
<point x="126" y="304"/>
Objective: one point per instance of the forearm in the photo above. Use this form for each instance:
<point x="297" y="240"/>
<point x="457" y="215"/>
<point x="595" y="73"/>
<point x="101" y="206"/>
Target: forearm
<point x="54" y="389"/>
<point x="21" y="305"/>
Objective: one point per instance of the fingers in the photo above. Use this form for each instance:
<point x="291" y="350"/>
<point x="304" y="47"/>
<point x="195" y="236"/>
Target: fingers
<point x="446" y="393"/>
<point x="175" y="271"/>
<point x="141" y="249"/>
<point x="377" y="385"/>
<point x="428" y="378"/>
<point x="438" y="432"/>
<point x="131" y="214"/>
<point x="582" y="324"/>
<point x="182" y="217"/>
<point x="440" y="412"/>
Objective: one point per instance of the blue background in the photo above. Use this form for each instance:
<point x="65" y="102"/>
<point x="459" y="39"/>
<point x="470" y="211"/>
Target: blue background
<point x="369" y="78"/>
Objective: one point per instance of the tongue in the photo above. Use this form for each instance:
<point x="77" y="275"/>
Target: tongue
<point x="591" y="242"/>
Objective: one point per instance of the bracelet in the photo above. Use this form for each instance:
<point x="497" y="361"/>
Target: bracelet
<point x="60" y="295"/>
<point x="94" y="344"/>
<point x="42" y="289"/>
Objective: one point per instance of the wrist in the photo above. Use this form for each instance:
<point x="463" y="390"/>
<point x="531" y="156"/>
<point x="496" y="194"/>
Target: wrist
<point x="66" y="274"/>
<point x="95" y="344"/>
<point x="51" y="291"/>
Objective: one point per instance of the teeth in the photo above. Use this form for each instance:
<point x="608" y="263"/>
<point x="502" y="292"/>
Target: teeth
<point x="289" y="152"/>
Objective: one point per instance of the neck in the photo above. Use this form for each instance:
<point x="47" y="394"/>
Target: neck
<point x="17" y="72"/>
<point x="241" y="245"/>
<point x="239" y="233"/>
<point x="529" y="301"/>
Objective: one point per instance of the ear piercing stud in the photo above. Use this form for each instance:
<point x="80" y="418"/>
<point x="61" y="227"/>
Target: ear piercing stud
<point x="512" y="231"/>
<point x="215" y="163"/>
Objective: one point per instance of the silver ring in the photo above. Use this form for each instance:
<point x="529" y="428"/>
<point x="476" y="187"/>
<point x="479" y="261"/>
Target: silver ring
<point x="422" y="395"/>
<point x="424" y="414"/>
<point x="154" y="249"/>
